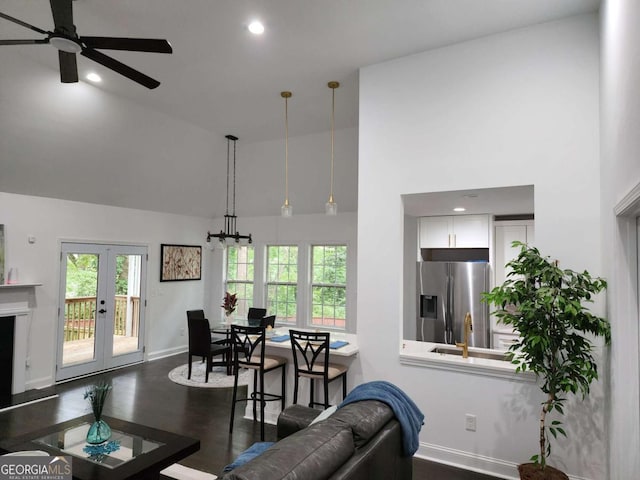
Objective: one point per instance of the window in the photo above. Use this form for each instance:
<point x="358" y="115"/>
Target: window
<point x="282" y="282"/>
<point x="329" y="285"/>
<point x="240" y="277"/>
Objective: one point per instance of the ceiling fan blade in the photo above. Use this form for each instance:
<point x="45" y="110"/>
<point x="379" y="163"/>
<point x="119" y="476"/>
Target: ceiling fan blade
<point x="63" y="16"/>
<point x="68" y="67"/>
<point x="131" y="44"/>
<point x="24" y="24"/>
<point x="23" y="42"/>
<point x="120" y="68"/>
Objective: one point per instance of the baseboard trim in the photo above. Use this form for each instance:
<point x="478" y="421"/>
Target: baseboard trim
<point x="169" y="352"/>
<point x="38" y="383"/>
<point x="468" y="461"/>
<point x="473" y="462"/>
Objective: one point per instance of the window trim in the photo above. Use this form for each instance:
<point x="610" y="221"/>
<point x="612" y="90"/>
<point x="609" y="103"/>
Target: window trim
<point x="344" y="285"/>
<point x="226" y="281"/>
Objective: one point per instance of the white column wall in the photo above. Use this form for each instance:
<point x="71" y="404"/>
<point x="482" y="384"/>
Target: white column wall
<point x="620" y="110"/>
<point x="512" y="109"/>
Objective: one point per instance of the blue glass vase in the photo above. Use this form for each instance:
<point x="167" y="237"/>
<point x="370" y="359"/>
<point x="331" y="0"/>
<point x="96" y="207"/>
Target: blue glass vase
<point x="98" y="432"/>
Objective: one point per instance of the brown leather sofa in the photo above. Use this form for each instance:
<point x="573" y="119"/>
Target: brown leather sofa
<point x="361" y="440"/>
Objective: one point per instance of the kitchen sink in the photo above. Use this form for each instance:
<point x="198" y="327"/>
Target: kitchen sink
<point x="489" y="355"/>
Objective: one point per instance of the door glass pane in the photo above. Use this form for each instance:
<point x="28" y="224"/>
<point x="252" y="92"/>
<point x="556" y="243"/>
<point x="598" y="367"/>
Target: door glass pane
<point x="126" y="319"/>
<point x="80" y="308"/>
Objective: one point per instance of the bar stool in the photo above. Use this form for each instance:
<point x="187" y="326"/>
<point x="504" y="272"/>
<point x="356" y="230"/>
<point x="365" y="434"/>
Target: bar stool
<point x="311" y="360"/>
<point x="248" y="352"/>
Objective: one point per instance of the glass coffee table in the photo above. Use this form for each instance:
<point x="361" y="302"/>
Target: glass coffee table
<point x="133" y="451"/>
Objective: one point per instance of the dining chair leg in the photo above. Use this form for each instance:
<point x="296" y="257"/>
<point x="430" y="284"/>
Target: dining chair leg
<point x="189" y="373"/>
<point x="206" y="375"/>
<point x="284" y="382"/>
<point x="326" y="393"/>
<point x="295" y="389"/>
<point x="344" y="385"/>
<point x="255" y="393"/>
<point x="262" y="402"/>
<point x="233" y="401"/>
<point x="311" y="395"/>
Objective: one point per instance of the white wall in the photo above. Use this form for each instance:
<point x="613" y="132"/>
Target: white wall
<point x="262" y="164"/>
<point x="52" y="221"/>
<point x="513" y="109"/>
<point x="301" y="230"/>
<point x="620" y="110"/>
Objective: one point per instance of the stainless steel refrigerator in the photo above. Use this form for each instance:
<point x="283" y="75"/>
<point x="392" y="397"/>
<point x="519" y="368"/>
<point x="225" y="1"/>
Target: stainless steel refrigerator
<point x="446" y="292"/>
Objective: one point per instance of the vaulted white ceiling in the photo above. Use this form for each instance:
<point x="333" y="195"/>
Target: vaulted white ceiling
<point x="220" y="79"/>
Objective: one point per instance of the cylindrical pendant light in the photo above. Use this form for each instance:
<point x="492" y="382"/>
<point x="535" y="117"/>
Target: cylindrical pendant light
<point x="331" y="207"/>
<point x="286" y="209"/>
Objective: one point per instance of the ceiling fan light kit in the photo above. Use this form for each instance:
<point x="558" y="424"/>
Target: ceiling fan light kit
<point x="68" y="43"/>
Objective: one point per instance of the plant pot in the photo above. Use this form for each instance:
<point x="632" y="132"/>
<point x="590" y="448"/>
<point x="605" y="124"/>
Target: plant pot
<point x="532" y="471"/>
<point x="99" y="432"/>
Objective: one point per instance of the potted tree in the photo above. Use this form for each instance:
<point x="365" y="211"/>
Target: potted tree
<point x="545" y="305"/>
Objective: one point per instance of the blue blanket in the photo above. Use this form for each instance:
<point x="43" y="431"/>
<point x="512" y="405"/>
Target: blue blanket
<point x="407" y="412"/>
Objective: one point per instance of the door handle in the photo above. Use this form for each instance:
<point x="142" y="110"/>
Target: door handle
<point x="102" y="310"/>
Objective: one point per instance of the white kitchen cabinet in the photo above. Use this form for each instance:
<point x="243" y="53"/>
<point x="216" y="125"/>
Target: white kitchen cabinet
<point x="459" y="231"/>
<point x="505" y="233"/>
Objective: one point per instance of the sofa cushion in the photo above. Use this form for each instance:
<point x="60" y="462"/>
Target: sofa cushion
<point x="313" y="453"/>
<point x="366" y="418"/>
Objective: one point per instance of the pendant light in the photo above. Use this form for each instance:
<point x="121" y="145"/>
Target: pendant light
<point x="331" y="207"/>
<point x="286" y="209"/>
<point x="229" y="234"/>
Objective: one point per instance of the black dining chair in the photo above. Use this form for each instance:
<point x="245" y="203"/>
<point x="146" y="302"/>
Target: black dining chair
<point x="248" y="352"/>
<point x="200" y="345"/>
<point x="217" y="339"/>
<point x="269" y="321"/>
<point x="311" y="360"/>
<point x="254" y="315"/>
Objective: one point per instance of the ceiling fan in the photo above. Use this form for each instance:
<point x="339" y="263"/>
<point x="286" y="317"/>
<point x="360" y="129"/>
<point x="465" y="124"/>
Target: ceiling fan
<point x="68" y="43"/>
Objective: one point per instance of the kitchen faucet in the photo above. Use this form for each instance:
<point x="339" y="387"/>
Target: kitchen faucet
<point x="468" y="327"/>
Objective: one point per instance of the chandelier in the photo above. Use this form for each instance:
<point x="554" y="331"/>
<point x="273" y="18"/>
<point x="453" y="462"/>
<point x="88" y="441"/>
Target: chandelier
<point x="230" y="233"/>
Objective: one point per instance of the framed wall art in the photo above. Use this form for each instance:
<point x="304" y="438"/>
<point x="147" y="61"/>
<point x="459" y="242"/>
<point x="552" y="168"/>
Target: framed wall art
<point x="180" y="262"/>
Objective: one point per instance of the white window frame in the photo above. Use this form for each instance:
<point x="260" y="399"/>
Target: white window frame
<point x="296" y="285"/>
<point x="241" y="313"/>
<point x="313" y="285"/>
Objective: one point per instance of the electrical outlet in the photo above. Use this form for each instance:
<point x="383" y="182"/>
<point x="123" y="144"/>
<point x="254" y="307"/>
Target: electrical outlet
<point x="470" y="422"/>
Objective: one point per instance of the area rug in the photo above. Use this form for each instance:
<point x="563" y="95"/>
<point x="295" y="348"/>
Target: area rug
<point x="218" y="377"/>
<point x="180" y="472"/>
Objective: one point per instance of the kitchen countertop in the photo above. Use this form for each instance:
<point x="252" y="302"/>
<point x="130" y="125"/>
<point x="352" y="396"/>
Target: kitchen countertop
<point x="420" y="354"/>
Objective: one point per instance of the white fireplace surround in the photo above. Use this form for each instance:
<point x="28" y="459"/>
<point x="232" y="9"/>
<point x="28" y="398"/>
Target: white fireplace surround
<point x="10" y="306"/>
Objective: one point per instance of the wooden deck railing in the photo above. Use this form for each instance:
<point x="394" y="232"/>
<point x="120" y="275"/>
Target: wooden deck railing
<point x="79" y="315"/>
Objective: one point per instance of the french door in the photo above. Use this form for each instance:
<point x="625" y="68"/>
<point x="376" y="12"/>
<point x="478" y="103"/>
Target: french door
<point x="101" y="312"/>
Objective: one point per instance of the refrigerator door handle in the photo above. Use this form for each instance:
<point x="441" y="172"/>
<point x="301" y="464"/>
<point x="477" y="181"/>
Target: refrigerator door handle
<point x="448" y="327"/>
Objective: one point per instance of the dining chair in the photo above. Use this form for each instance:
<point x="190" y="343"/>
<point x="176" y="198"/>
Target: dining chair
<point x="269" y="321"/>
<point x="200" y="345"/>
<point x="311" y="360"/>
<point x="249" y="352"/>
<point x="217" y="339"/>
<point x="254" y="314"/>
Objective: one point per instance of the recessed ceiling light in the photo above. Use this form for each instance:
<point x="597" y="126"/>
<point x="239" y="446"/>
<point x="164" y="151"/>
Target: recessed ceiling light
<point x="256" y="28"/>
<point x="94" y="77"/>
<point x="459" y="209"/>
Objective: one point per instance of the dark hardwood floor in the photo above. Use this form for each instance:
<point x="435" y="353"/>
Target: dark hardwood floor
<point x="144" y="394"/>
